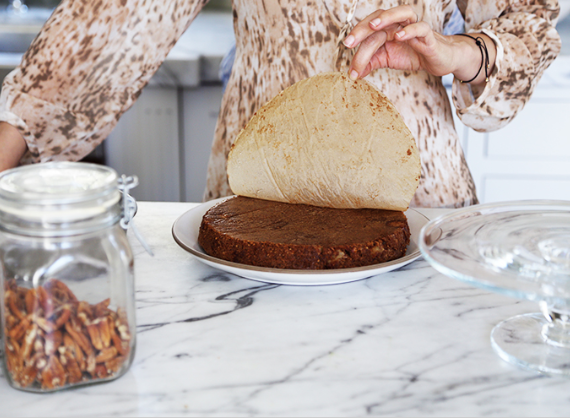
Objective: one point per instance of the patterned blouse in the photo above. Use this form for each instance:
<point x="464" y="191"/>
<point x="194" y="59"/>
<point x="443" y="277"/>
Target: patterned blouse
<point x="92" y="58"/>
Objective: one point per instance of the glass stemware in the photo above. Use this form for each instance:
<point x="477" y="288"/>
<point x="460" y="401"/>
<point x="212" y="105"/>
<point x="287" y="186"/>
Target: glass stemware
<point x="520" y="249"/>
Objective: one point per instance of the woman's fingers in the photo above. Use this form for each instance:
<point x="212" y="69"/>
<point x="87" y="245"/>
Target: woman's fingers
<point x="395" y="39"/>
<point x="366" y="51"/>
<point x="434" y="51"/>
<point x="362" y="30"/>
<point x="404" y="15"/>
<point x="379" y="20"/>
<point x="425" y="43"/>
<point x="418" y="35"/>
<point x="378" y="60"/>
<point x="416" y="30"/>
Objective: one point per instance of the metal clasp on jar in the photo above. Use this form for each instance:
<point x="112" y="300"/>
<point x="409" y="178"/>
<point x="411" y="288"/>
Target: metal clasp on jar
<point x="129" y="208"/>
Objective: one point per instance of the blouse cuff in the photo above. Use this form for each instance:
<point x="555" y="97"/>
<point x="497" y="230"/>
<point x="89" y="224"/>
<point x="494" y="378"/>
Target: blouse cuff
<point x="50" y="130"/>
<point x="6" y="115"/>
<point x="505" y="92"/>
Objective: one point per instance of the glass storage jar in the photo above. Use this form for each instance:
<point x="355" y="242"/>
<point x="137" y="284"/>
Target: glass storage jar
<point x="68" y="310"/>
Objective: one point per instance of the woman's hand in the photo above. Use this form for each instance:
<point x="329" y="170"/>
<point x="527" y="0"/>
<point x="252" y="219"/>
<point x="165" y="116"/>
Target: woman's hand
<point x="395" y="38"/>
<point x="12" y="146"/>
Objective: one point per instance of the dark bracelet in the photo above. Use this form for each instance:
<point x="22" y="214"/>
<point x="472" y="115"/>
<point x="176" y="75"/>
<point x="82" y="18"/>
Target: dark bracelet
<point x="484" y="57"/>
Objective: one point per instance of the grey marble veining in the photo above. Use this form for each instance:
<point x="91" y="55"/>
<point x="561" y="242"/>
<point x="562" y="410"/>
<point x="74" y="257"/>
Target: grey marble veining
<point x="406" y="343"/>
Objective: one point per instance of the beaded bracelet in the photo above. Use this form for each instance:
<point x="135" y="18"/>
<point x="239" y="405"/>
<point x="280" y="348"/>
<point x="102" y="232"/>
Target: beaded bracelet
<point x="484" y="57"/>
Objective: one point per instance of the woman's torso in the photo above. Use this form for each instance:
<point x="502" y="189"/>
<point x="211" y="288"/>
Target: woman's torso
<point x="281" y="42"/>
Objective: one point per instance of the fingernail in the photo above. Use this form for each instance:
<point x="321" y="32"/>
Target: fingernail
<point x="375" y="22"/>
<point x="349" y="41"/>
<point x="401" y="34"/>
<point x="353" y="75"/>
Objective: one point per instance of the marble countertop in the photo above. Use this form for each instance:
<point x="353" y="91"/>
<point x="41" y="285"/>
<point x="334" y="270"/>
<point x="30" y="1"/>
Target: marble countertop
<point x="411" y="342"/>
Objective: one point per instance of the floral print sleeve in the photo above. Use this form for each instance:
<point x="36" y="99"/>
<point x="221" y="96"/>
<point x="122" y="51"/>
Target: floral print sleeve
<point x="526" y="41"/>
<point x="86" y="68"/>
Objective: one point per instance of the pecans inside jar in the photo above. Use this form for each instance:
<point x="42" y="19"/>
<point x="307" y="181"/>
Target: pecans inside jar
<point x="53" y="340"/>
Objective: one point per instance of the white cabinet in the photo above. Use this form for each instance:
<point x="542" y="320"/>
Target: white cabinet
<point x="200" y="110"/>
<point x="528" y="159"/>
<point x="145" y="143"/>
<point x="165" y="139"/>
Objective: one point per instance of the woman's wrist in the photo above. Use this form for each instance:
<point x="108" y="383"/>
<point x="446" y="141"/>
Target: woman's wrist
<point x="12" y="146"/>
<point x="473" y="62"/>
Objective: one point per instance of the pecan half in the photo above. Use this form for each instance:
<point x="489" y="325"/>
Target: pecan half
<point x="95" y="335"/>
<point x="78" y="336"/>
<point x="52" y="342"/>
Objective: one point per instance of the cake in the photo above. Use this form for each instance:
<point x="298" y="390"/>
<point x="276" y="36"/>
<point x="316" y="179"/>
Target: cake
<point x="323" y="173"/>
<point x="274" y="234"/>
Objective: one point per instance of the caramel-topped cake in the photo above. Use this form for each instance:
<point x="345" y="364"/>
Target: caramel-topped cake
<point x="296" y="236"/>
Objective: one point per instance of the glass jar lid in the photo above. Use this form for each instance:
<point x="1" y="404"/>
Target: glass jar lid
<point x="57" y="192"/>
